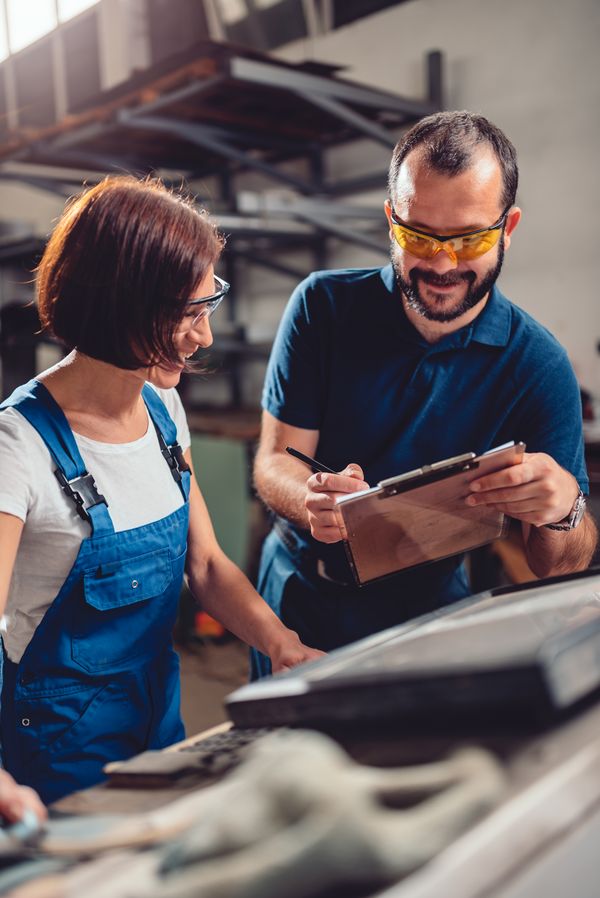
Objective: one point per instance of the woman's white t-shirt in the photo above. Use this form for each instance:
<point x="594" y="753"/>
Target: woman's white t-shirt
<point x="133" y="477"/>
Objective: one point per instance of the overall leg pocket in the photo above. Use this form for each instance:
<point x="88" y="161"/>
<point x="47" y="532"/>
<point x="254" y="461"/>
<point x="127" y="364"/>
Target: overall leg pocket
<point x="66" y="740"/>
<point x="45" y="722"/>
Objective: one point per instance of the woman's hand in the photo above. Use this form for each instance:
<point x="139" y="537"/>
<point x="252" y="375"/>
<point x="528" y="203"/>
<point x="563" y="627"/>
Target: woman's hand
<point x="15" y="800"/>
<point x="289" y="651"/>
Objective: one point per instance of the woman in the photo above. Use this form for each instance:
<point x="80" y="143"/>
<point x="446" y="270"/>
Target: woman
<point x="98" y="503"/>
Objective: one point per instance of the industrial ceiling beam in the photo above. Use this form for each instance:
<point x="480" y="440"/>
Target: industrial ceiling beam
<point x="255" y="71"/>
<point x="258" y="36"/>
<point x="48" y="184"/>
<point x="270" y="263"/>
<point x="359" y="184"/>
<point x="346" y="234"/>
<point x="200" y="136"/>
<point x="275" y="203"/>
<point x="345" y="114"/>
<point x="186" y="92"/>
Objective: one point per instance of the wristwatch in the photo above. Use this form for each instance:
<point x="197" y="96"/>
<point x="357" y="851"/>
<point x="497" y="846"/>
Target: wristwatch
<point x="573" y="518"/>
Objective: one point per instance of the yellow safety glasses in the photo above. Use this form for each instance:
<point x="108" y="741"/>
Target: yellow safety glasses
<point x="460" y="247"/>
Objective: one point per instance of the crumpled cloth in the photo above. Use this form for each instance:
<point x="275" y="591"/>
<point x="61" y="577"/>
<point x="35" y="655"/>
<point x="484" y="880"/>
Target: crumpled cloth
<point x="296" y="818"/>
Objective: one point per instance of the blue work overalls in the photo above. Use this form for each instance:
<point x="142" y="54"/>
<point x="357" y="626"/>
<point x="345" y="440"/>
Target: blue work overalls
<point x="99" y="680"/>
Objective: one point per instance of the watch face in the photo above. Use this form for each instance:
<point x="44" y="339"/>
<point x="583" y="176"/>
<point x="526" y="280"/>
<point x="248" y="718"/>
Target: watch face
<point x="574" y="518"/>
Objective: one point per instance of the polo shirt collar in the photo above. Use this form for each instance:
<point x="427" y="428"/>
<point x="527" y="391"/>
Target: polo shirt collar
<point x="492" y="325"/>
<point x="389" y="278"/>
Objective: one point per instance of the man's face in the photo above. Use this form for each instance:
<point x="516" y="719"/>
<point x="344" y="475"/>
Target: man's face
<point x="443" y="289"/>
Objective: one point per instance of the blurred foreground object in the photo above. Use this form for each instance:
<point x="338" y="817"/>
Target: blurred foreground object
<point x="298" y="817"/>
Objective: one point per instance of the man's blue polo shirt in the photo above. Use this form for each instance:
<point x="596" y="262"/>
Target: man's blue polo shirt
<point x="347" y="362"/>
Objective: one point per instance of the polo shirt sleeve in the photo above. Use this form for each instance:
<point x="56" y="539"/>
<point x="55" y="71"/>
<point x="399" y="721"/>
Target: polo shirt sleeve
<point x="551" y="420"/>
<point x="295" y="379"/>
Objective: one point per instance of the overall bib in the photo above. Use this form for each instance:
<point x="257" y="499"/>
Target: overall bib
<point x="99" y="680"/>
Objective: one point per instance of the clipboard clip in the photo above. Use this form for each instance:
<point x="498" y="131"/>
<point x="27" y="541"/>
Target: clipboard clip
<point x="428" y="474"/>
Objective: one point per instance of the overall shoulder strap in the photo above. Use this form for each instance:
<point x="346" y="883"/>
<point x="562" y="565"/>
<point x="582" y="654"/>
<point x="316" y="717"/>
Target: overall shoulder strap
<point x="36" y="404"/>
<point x="166" y="431"/>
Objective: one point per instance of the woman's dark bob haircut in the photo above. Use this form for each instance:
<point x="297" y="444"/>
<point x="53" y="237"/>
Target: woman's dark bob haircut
<point x="119" y="267"/>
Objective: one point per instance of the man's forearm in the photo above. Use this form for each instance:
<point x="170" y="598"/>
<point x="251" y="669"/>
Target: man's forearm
<point x="281" y="484"/>
<point x="551" y="552"/>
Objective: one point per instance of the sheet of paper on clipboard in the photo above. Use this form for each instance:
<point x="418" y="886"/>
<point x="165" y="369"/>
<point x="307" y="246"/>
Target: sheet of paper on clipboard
<point x="421" y="516"/>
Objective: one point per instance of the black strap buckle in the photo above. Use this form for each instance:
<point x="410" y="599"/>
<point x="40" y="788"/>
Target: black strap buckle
<point x="173" y="456"/>
<point x="83" y="492"/>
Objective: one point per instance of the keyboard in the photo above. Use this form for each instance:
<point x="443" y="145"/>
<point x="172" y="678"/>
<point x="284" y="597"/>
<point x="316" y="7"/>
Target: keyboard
<point x="197" y="759"/>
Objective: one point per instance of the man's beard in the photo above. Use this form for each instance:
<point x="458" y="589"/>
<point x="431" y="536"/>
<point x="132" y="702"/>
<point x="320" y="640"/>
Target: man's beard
<point x="476" y="290"/>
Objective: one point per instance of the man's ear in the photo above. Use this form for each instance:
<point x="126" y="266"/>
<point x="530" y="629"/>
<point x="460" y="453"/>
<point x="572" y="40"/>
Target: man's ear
<point x="512" y="220"/>
<point x="388" y="214"/>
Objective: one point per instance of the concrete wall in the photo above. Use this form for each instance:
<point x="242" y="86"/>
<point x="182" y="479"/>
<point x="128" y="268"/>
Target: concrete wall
<point x="532" y="67"/>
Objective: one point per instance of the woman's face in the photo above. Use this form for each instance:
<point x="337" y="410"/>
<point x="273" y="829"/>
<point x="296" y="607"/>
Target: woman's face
<point x="193" y="333"/>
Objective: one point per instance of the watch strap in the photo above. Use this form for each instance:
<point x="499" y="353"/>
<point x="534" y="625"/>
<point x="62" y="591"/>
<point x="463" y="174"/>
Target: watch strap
<point x="573" y="518"/>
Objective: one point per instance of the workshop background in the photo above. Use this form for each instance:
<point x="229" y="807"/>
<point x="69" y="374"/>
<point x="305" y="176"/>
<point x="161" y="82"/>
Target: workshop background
<point x="280" y="116"/>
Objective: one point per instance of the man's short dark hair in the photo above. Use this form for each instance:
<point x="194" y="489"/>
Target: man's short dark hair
<point x="449" y="141"/>
<point x="119" y="267"/>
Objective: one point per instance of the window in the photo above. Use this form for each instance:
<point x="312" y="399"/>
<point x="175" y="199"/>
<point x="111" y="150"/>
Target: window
<point x="28" y="20"/>
<point x="3" y="36"/>
<point x="69" y="8"/>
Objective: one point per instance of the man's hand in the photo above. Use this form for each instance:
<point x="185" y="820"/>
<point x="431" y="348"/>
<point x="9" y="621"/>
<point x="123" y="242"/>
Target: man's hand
<point x="537" y="491"/>
<point x="15" y="800"/>
<point x="322" y="490"/>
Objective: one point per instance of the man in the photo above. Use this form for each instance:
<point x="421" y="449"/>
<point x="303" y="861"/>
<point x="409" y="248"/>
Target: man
<point x="378" y="371"/>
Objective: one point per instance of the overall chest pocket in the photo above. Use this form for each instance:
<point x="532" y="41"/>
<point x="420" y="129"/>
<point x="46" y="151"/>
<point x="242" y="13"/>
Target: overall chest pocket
<point x="125" y="612"/>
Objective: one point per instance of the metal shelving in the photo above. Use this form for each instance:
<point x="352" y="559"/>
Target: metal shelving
<point x="218" y="113"/>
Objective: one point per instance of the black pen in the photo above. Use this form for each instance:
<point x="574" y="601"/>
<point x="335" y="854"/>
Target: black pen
<point x="311" y="462"/>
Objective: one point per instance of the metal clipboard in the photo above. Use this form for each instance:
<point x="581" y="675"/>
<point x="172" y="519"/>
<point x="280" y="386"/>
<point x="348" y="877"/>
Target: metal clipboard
<point x="421" y="516"/>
